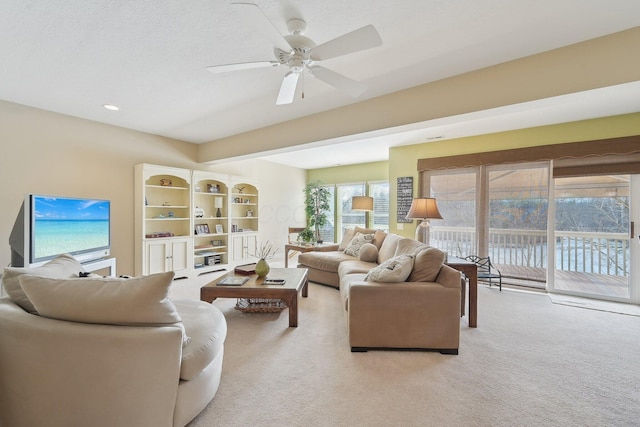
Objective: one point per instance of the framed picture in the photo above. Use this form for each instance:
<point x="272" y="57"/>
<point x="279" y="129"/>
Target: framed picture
<point x="219" y="228"/>
<point x="202" y="229"/>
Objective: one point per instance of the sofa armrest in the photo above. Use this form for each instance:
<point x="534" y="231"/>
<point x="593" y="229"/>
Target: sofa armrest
<point x="122" y="375"/>
<point x="449" y="277"/>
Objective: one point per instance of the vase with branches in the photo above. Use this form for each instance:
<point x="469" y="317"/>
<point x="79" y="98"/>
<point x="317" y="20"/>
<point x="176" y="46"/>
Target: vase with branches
<point x="316" y="206"/>
<point x="265" y="251"/>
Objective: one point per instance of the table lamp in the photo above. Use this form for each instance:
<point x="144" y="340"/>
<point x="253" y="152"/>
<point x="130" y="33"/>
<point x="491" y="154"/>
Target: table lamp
<point x="424" y="209"/>
<point x="217" y="203"/>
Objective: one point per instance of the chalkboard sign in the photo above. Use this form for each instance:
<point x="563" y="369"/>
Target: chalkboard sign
<point x="405" y="196"/>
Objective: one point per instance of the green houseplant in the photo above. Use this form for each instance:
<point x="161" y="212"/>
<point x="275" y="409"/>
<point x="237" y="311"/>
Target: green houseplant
<point x="316" y="206"/>
<point x="306" y="236"/>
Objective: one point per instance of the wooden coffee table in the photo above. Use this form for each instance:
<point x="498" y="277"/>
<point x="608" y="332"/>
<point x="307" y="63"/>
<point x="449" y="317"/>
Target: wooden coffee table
<point x="297" y="279"/>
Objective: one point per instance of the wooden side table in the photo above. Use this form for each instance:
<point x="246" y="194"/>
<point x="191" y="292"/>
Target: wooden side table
<point x="323" y="247"/>
<point x="470" y="270"/>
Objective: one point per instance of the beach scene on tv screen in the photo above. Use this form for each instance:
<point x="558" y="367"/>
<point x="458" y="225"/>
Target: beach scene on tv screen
<point x="69" y="225"/>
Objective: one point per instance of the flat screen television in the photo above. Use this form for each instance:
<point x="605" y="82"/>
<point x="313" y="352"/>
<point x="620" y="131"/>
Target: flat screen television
<point x="48" y="226"/>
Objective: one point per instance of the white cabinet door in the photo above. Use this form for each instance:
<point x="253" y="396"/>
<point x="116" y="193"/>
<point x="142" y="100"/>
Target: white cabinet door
<point x="164" y="255"/>
<point x="251" y="243"/>
<point x="157" y="259"/>
<point x="180" y="255"/>
<point x="244" y="247"/>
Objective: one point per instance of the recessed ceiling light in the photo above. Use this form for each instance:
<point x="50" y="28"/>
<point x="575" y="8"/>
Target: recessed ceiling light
<point x="111" y="107"/>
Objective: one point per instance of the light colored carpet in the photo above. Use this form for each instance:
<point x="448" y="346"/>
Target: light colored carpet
<point x="529" y="363"/>
<point x="592" y="304"/>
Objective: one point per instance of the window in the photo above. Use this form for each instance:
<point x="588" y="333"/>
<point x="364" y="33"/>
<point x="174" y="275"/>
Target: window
<point x="341" y="216"/>
<point x="327" y="232"/>
<point x="346" y="218"/>
<point x="379" y="218"/>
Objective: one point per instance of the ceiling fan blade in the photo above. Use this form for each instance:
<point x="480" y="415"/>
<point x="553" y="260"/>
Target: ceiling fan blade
<point x="360" y="39"/>
<point x="288" y="88"/>
<point x="241" y="66"/>
<point x="254" y="15"/>
<point x="343" y="83"/>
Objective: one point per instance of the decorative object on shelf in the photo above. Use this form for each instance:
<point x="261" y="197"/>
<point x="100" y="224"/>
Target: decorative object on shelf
<point x="159" y="234"/>
<point x="239" y="189"/>
<point x="361" y="203"/>
<point x="202" y="229"/>
<point x="213" y="188"/>
<point x="217" y="203"/>
<point x="249" y="213"/>
<point x="197" y="189"/>
<point x="316" y="206"/>
<point x="198" y="212"/>
<point x="265" y="251"/>
<point x="165" y="182"/>
<point x="425" y="209"/>
<point x="219" y="228"/>
<point x="171" y="214"/>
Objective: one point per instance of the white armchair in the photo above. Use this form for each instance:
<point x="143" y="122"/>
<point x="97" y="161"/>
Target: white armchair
<point x="80" y="372"/>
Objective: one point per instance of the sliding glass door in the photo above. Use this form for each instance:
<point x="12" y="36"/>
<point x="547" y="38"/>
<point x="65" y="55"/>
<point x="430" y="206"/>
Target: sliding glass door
<point x="594" y="250"/>
<point x="456" y="194"/>
<point x="517" y="216"/>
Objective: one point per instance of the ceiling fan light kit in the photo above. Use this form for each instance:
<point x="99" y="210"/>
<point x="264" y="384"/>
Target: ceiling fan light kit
<point x="300" y="53"/>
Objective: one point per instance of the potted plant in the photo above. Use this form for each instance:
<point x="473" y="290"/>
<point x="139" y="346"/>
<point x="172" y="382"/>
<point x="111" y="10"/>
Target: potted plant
<point x="316" y="206"/>
<point x="306" y="236"/>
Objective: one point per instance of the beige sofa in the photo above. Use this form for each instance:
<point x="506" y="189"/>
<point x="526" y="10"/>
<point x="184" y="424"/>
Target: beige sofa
<point x="104" y="351"/>
<point x="392" y="309"/>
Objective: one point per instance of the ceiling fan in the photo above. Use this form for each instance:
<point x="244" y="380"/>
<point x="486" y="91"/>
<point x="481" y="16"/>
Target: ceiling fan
<point x="300" y="53"/>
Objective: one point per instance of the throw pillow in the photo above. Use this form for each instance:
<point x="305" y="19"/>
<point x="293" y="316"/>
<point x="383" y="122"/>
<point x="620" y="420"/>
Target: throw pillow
<point x="378" y="235"/>
<point x="409" y="246"/>
<point x="359" y="239"/>
<point x="426" y="266"/>
<point x="141" y="300"/>
<point x="346" y="238"/>
<point x="378" y="238"/>
<point x="61" y="267"/>
<point x="396" y="269"/>
<point x="368" y="252"/>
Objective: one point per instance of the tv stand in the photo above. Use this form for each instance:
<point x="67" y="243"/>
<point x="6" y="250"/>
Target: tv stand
<point x="99" y="264"/>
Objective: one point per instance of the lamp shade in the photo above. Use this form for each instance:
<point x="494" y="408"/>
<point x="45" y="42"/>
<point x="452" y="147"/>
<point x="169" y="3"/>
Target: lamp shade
<point x="424" y="208"/>
<point x="217" y="202"/>
<point x="361" y="203"/>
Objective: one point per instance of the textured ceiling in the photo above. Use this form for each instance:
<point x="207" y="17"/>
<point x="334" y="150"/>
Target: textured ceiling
<point x="149" y="56"/>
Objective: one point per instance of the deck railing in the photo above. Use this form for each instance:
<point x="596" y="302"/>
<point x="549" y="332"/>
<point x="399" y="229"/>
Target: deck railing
<point x="601" y="253"/>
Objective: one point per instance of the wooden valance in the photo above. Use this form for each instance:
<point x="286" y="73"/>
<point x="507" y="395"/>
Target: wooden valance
<point x="598" y="157"/>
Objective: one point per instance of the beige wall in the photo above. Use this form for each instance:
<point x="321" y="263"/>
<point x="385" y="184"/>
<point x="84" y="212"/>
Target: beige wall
<point x="365" y="172"/>
<point x="49" y="153"/>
